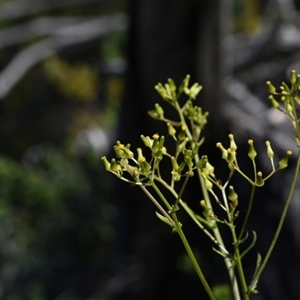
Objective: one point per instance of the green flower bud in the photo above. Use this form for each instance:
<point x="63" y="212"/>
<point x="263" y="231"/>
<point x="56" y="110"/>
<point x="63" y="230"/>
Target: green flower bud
<point x="153" y="114"/>
<point x="106" y="163"/>
<point x="122" y="151"/>
<point x="223" y="151"/>
<point x="114" y="166"/>
<point x="184" y="84"/>
<point x="171" y="130"/>
<point x="202" y="162"/>
<point x="207" y="182"/>
<point x="297" y="83"/>
<point x="283" y="163"/>
<point x="270" y="151"/>
<point x="176" y="176"/>
<point x="139" y="152"/>
<point x="161" y="142"/>
<point x="172" y="85"/>
<point x="251" y="153"/>
<point x="230" y="156"/>
<point x="128" y="152"/>
<point x="271" y="87"/>
<point x="209" y="169"/>
<point x="159" y="110"/>
<point x="147" y="141"/>
<point x="181" y="166"/>
<point x="195" y="90"/>
<point x="274" y="103"/>
<point x="162" y="91"/>
<point x="182" y="134"/>
<point x="144" y="165"/>
<point x="233" y="145"/>
<point x="259" y="180"/>
<point x="233" y="197"/>
<point x="284" y="87"/>
<point x="293" y="77"/>
<point x="207" y="212"/>
<point x="157" y="144"/>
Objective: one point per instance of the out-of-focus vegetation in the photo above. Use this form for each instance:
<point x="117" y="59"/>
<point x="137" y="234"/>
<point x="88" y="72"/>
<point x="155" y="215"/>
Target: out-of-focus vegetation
<point x="55" y="122"/>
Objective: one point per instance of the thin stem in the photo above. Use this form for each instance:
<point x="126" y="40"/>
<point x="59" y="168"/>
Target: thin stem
<point x="279" y="227"/>
<point x="160" y="208"/>
<point x="186" y="244"/>
<point x="249" y="208"/>
<point x="195" y="263"/>
<point x="238" y="262"/>
<point x="215" y="228"/>
<point x="217" y="239"/>
<point x="181" y="190"/>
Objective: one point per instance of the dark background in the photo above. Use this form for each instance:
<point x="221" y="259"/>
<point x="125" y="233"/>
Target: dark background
<point x="77" y="75"/>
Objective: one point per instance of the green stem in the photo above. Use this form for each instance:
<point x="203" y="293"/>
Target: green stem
<point x="186" y="244"/>
<point x="217" y="239"/>
<point x="238" y="261"/>
<point x="215" y="229"/>
<point x="279" y="227"/>
<point x="249" y="208"/>
<point x="195" y="263"/>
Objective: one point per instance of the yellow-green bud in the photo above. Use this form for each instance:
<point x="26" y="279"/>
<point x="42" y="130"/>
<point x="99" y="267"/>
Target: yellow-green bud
<point x="270" y="151"/>
<point x="106" y="163"/>
<point x="230" y="156"/>
<point x="144" y="165"/>
<point x="139" y="153"/>
<point x="207" y="212"/>
<point x="223" y="151"/>
<point x="233" y="145"/>
<point x="185" y="83"/>
<point x="181" y="166"/>
<point x="209" y="169"/>
<point x="171" y="129"/>
<point x="159" y="110"/>
<point x="259" y="180"/>
<point x="208" y="184"/>
<point x="162" y="91"/>
<point x="147" y="141"/>
<point x="202" y="162"/>
<point x="283" y="163"/>
<point x="271" y="87"/>
<point x="251" y="152"/>
<point x="293" y="77"/>
<point x="194" y="90"/>
<point x="233" y="196"/>
<point x="274" y="103"/>
<point x="176" y="176"/>
<point x="172" y="85"/>
<point x="284" y="87"/>
<point x="114" y="166"/>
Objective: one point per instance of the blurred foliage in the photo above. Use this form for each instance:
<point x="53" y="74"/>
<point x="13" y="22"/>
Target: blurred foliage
<point x="248" y="16"/>
<point x="78" y="82"/>
<point x="56" y="215"/>
<point x="49" y="212"/>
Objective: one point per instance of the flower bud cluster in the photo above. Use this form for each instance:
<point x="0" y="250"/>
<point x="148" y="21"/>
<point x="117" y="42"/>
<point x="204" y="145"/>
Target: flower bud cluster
<point x="230" y="156"/>
<point x="287" y="98"/>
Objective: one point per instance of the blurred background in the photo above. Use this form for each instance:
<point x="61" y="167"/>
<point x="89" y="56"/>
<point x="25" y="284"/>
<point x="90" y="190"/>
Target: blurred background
<point x="77" y="75"/>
